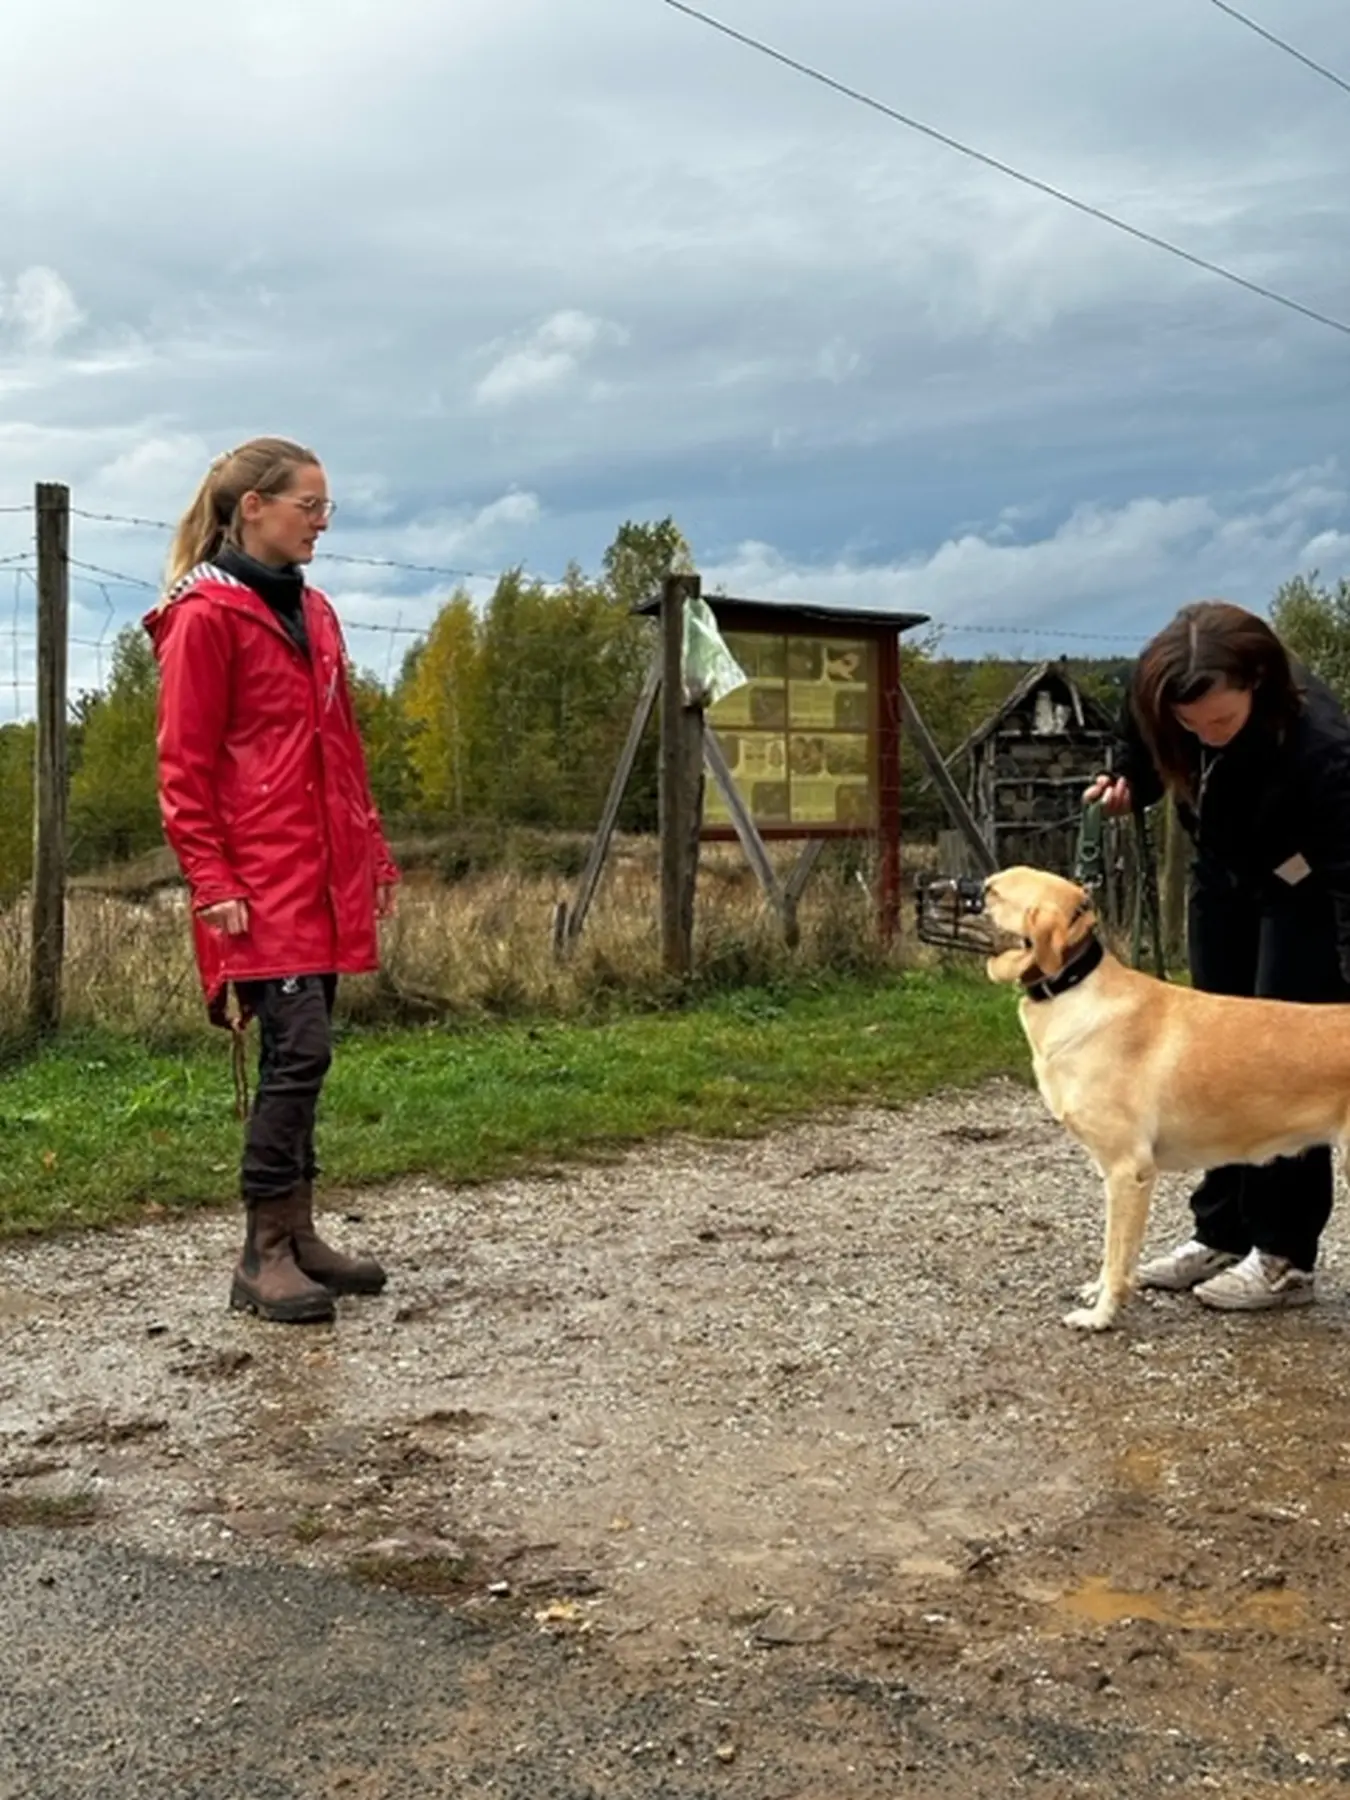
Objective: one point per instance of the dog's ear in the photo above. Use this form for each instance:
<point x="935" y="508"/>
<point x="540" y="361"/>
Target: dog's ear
<point x="1047" y="933"/>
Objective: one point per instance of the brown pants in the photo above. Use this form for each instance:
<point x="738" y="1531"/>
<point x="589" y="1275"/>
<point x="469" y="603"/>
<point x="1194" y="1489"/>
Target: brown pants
<point x="295" y="1050"/>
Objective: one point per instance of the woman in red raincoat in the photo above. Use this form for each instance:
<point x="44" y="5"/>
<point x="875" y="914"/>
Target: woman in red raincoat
<point x="265" y="801"/>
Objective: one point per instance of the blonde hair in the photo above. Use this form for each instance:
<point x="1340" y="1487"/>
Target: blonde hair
<point x="264" y="465"/>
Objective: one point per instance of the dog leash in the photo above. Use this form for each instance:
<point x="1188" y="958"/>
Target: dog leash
<point x="1146" y="903"/>
<point x="239" y="1066"/>
<point x="1089" y="865"/>
<point x="1090" y="873"/>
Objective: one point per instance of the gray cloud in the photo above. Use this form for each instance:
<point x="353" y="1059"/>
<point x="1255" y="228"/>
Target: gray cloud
<point x="520" y="271"/>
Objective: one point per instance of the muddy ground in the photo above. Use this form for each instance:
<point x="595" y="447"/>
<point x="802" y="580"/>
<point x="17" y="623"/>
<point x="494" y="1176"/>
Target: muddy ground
<point x="761" y="1468"/>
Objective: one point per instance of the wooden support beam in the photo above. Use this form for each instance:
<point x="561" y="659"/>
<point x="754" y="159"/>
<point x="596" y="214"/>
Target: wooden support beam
<point x="599" y="850"/>
<point x="961" y="815"/>
<point x="795" y="886"/>
<point x="756" y="852"/>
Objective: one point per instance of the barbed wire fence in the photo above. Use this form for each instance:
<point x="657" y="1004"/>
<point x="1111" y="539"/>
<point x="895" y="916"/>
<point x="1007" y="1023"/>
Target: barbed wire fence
<point x="111" y="595"/>
<point x="106" y="597"/>
<point x="99" y="597"/>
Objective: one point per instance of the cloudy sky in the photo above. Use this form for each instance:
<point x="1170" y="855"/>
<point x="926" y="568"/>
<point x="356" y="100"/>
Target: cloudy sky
<point x="521" y="269"/>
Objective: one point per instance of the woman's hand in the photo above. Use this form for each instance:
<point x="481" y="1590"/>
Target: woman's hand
<point x="1113" y="792"/>
<point x="230" y="917"/>
<point x="386" y="900"/>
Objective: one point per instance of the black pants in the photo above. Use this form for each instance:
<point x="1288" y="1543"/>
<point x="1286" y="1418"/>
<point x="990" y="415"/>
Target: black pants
<point x="1280" y="948"/>
<point x="295" y="1028"/>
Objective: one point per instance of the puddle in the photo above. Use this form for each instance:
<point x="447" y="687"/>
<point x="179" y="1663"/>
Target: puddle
<point x="1100" y="1602"/>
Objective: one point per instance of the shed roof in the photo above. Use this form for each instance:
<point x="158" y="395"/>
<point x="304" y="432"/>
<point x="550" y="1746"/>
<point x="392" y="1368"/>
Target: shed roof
<point x="804" y="609"/>
<point x="1090" y="713"/>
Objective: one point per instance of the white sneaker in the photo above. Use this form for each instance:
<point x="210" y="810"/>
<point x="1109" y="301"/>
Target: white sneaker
<point x="1185" y="1267"/>
<point x="1258" y="1283"/>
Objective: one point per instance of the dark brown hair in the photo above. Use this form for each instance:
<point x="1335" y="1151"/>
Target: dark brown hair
<point x="1208" y="643"/>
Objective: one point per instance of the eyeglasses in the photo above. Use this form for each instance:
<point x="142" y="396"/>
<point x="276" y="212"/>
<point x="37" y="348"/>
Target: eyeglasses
<point x="321" y="511"/>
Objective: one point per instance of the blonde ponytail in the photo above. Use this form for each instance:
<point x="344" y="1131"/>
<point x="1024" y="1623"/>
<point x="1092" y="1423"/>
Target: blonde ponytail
<point x="264" y="465"/>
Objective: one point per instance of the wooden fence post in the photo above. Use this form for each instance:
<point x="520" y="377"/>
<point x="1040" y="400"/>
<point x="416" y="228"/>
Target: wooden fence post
<point x="681" y="781"/>
<point x="51" y="765"/>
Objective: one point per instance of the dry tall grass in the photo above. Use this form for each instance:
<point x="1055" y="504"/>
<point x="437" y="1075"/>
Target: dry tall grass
<point x="481" y="947"/>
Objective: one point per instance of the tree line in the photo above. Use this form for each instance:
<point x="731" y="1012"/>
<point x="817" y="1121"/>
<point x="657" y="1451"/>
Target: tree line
<point x="513" y="713"/>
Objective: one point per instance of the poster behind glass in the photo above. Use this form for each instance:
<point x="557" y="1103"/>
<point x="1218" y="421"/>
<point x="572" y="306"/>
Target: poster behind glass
<point x="797" y="737"/>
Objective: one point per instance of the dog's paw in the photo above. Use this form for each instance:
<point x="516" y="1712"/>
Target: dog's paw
<point x="1090" y="1318"/>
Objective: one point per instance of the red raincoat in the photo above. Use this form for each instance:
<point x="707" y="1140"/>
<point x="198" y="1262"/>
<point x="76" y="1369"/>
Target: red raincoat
<point x="262" y="784"/>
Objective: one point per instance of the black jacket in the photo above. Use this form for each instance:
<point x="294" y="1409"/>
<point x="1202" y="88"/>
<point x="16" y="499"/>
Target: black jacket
<point x="1266" y="799"/>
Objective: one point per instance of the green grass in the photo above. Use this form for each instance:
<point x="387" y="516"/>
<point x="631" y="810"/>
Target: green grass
<point x="100" y="1129"/>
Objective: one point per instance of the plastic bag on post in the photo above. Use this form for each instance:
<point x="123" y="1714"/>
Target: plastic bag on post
<point x="711" y="672"/>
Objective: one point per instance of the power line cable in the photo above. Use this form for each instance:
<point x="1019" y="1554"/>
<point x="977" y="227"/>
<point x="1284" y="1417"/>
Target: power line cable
<point x="1281" y="44"/>
<point x="992" y="162"/>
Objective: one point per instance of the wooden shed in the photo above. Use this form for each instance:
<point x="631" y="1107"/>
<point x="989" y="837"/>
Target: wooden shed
<point x="1027" y="765"/>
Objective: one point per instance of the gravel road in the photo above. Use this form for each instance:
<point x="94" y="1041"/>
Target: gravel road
<point x="762" y="1468"/>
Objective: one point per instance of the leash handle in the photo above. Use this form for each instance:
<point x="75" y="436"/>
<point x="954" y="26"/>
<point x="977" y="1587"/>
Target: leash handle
<point x="239" y="1066"/>
<point x="1090" y="856"/>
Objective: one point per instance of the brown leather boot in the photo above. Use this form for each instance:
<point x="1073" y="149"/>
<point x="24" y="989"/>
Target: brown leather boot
<point x="340" y="1274"/>
<point x="267" y="1279"/>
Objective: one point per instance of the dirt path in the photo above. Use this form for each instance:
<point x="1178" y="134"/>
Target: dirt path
<point x="786" y="1433"/>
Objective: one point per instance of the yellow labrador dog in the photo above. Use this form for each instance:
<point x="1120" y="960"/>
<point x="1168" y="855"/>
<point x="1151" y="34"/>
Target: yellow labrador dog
<point x="1152" y="1076"/>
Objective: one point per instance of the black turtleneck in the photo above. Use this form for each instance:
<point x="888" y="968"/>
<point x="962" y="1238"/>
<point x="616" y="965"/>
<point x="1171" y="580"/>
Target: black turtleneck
<point x="283" y="589"/>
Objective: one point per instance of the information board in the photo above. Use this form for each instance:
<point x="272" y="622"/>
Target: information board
<point x="798" y="737"/>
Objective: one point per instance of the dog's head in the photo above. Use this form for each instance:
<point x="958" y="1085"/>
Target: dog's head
<point x="1041" y="919"/>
